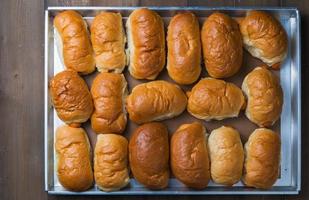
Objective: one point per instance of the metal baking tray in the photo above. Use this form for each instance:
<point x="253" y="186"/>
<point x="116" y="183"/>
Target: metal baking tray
<point x="289" y="125"/>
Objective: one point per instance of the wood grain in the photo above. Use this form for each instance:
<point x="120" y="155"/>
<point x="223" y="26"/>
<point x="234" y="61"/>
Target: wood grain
<point x="21" y="100"/>
<point x="21" y="94"/>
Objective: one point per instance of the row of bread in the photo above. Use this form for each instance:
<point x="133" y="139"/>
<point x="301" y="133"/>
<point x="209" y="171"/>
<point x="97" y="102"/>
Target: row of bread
<point x="193" y="158"/>
<point x="221" y="40"/>
<point x="209" y="99"/>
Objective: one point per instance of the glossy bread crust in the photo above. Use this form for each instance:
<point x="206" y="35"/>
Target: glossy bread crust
<point x="261" y="168"/>
<point x="189" y="155"/>
<point x="111" y="162"/>
<point x="222" y="46"/>
<point x="215" y="99"/>
<point x="184" y="48"/>
<point x="155" y="101"/>
<point x="146" y="43"/>
<point x="264" y="37"/>
<point x="109" y="91"/>
<point x="149" y="155"/>
<point x="73" y="154"/>
<point x="265" y="97"/>
<point x="71" y="97"/>
<point x="74" y="43"/>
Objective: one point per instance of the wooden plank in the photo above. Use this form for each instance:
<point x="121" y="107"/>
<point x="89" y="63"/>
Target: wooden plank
<point x="21" y="99"/>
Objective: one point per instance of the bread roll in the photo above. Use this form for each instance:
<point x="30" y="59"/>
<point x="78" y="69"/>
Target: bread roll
<point x="73" y="153"/>
<point x="108" y="41"/>
<point x="154" y="101"/>
<point x="222" y="46"/>
<point x="189" y="155"/>
<point x="111" y="162"/>
<point x="184" y="48"/>
<point x="264" y="38"/>
<point x="73" y="42"/>
<point x="71" y="97"/>
<point x="109" y="91"/>
<point x="149" y="155"/>
<point x="265" y="97"/>
<point x="226" y="155"/>
<point x="146" y="43"/>
<point x="261" y="169"/>
<point x="215" y="99"/>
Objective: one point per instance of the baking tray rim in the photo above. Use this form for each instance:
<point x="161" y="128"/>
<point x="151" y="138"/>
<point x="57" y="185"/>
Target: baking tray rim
<point x="172" y="8"/>
<point x="291" y="190"/>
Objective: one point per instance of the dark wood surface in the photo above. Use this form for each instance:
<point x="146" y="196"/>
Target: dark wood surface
<point x="21" y="94"/>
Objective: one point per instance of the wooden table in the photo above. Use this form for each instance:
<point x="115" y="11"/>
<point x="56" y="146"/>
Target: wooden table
<point x="21" y="93"/>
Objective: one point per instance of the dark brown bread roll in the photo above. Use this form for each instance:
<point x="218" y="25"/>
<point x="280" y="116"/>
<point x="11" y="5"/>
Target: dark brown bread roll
<point x="189" y="155"/>
<point x="149" y="155"/>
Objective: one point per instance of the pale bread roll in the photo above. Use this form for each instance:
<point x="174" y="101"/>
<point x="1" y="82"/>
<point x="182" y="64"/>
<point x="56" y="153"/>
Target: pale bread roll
<point x="226" y="155"/>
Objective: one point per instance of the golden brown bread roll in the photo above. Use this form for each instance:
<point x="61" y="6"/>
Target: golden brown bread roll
<point x="149" y="155"/>
<point x="154" y="101"/>
<point x="222" y="46"/>
<point x="184" y="48"/>
<point x="146" y="44"/>
<point x="189" y="155"/>
<point x="73" y="153"/>
<point x="215" y="99"/>
<point x="73" y="42"/>
<point x="109" y="91"/>
<point x="71" y="97"/>
<point x="264" y="37"/>
<point x="108" y="41"/>
<point x="111" y="162"/>
<point x="226" y="155"/>
<point x="261" y="168"/>
<point x="265" y="97"/>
